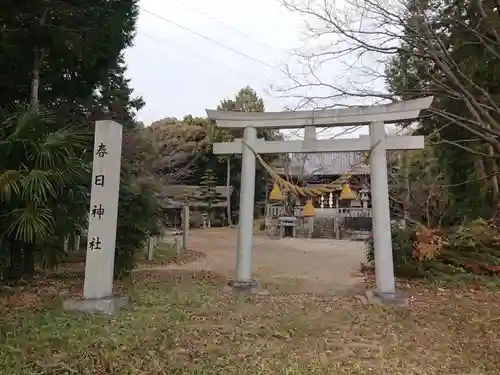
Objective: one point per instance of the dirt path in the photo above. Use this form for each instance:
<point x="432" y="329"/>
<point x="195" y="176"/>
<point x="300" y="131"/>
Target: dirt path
<point x="291" y="265"/>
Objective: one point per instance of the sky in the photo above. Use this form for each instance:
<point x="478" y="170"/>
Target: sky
<point x="180" y="72"/>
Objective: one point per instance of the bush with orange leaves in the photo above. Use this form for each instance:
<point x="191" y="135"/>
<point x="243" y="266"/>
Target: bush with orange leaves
<point x="428" y="244"/>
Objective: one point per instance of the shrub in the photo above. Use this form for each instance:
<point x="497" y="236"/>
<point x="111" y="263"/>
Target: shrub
<point x="469" y="251"/>
<point x="43" y="188"/>
<point x="474" y="247"/>
<point x="139" y="215"/>
<point x="428" y="244"/>
<point x="402" y="252"/>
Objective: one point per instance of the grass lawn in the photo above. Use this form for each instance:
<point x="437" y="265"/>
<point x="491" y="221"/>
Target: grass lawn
<point x="181" y="323"/>
<point x="165" y="254"/>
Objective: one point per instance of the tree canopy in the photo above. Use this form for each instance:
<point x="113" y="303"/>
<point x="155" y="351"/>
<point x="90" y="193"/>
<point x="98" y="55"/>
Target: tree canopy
<point x="65" y="59"/>
<point x="451" y="51"/>
<point x="180" y="151"/>
<point x="67" y="55"/>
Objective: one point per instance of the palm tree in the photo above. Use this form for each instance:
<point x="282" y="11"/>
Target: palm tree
<point x="44" y="174"/>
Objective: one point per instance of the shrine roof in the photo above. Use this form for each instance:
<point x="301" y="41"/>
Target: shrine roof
<point x="324" y="164"/>
<point x="170" y="203"/>
<point x="176" y="196"/>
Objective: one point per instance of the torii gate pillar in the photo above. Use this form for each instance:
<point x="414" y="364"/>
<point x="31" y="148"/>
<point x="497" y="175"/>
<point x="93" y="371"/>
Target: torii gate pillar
<point x="245" y="225"/>
<point x="381" y="222"/>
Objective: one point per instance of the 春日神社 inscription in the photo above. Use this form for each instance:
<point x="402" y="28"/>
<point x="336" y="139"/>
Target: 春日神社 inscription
<point x="103" y="210"/>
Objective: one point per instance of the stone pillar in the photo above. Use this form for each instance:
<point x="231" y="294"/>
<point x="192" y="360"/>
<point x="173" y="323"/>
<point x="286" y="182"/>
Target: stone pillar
<point x="101" y="235"/>
<point x="310" y="226"/>
<point x="336" y="225"/>
<point x="151" y="248"/>
<point x="77" y="242"/>
<point x="384" y="267"/>
<point x="245" y="226"/>
<point x="103" y="210"/>
<point x="185" y="227"/>
<point x="177" y="244"/>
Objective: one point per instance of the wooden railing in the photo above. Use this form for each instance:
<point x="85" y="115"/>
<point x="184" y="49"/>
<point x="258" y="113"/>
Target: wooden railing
<point x="277" y="211"/>
<point x="355" y="212"/>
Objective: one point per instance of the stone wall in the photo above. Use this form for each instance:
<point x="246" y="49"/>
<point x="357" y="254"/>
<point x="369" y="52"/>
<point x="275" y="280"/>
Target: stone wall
<point x="324" y="227"/>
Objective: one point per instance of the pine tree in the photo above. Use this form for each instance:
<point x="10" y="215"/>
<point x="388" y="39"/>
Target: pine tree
<point x="209" y="194"/>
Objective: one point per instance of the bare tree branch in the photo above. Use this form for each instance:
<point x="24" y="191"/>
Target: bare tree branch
<point x="361" y="36"/>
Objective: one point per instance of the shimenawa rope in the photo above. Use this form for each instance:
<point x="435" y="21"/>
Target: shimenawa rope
<point x="316" y="191"/>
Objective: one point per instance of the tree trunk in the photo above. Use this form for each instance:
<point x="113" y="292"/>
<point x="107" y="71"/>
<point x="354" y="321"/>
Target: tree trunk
<point x="15" y="264"/>
<point x="228" y="184"/>
<point x="35" y="78"/>
<point x="38" y="55"/>
<point x="494" y="178"/>
<point x="480" y="169"/>
<point x="482" y="175"/>
<point x="28" y="261"/>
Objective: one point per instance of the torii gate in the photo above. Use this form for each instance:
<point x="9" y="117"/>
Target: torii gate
<point x="375" y="117"/>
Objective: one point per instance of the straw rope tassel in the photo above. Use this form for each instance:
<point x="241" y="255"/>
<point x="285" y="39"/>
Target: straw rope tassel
<point x="310" y="192"/>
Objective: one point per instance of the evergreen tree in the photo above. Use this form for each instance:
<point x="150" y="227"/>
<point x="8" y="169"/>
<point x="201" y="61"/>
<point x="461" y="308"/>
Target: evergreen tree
<point x="454" y="56"/>
<point x="246" y="100"/>
<point x="66" y="59"/>
<point x="208" y="192"/>
<point x="66" y="55"/>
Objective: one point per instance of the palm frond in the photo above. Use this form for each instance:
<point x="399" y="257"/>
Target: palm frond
<point x="30" y="224"/>
<point x="9" y="185"/>
<point x="37" y="186"/>
<point x="23" y="121"/>
<point x="44" y="179"/>
<point x="74" y="173"/>
<point x="57" y="147"/>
